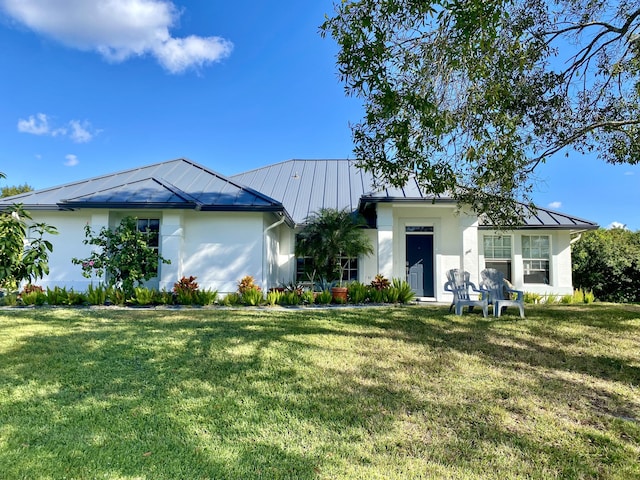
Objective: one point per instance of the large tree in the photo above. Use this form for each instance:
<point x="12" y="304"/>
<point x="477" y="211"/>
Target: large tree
<point x="469" y="96"/>
<point x="11" y="190"/>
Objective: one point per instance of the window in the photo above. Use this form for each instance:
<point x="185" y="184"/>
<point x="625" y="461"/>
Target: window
<point x="304" y="268"/>
<point x="535" y="258"/>
<point x="497" y="254"/>
<point x="151" y="228"/>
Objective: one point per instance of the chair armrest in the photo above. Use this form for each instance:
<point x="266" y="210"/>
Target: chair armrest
<point x="519" y="293"/>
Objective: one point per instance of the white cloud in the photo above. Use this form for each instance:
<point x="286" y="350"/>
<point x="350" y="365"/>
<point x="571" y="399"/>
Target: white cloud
<point x="36" y="125"/>
<point x="555" y="205"/>
<point x="119" y="29"/>
<point x="40" y="124"/>
<point x="79" y="131"/>
<point x="72" y="160"/>
<point x="617" y="225"/>
<point x="628" y="173"/>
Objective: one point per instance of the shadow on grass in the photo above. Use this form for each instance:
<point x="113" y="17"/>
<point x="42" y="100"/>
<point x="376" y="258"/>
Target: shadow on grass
<point x="214" y="394"/>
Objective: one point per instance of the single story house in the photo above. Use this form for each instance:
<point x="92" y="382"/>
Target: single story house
<point x="220" y="229"/>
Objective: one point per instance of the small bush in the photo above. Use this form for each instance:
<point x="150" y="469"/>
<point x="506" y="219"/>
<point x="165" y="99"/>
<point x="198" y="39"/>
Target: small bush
<point x="380" y="282"/>
<point x="232" y="299"/>
<point x="57" y="296"/>
<point x="324" y="297"/>
<point x="185" y="290"/>
<point x="143" y="296"/>
<point x="34" y="298"/>
<point x="247" y="283"/>
<point x="252" y="297"/>
<point x="290" y="298"/>
<point x="164" y="297"/>
<point x="551" y="298"/>
<point x="77" y="298"/>
<point x="97" y="295"/>
<point x="377" y="296"/>
<point x="116" y="296"/>
<point x="405" y="293"/>
<point x="357" y="292"/>
<point x="9" y="300"/>
<point x="307" y="297"/>
<point x="530" y="297"/>
<point x="273" y="297"/>
<point x="206" y="297"/>
<point x="566" y="299"/>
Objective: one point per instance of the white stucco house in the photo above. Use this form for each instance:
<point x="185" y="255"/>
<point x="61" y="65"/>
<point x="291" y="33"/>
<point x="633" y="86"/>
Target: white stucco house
<point x="220" y="229"/>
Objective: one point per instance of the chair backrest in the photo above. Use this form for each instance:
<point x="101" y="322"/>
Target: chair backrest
<point x="493" y="281"/>
<point x="458" y="282"/>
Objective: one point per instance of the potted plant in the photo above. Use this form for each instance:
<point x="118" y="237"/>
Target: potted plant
<point x="328" y="235"/>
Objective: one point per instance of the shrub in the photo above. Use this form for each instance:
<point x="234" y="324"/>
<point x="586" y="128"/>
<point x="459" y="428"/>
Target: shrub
<point x="252" y="297"/>
<point x="76" y="298"/>
<point x="273" y="297"/>
<point x="405" y="293"/>
<point x="357" y="292"/>
<point x="290" y="298"/>
<point x="530" y="297"/>
<point x="307" y="297"/>
<point x="206" y="297"/>
<point x="185" y="290"/>
<point x="123" y="254"/>
<point x="247" y="283"/>
<point x="97" y="295"/>
<point x="380" y="282"/>
<point x="57" y="296"/>
<point x="142" y="296"/>
<point x="324" y="297"/>
<point x="164" y="297"/>
<point x="377" y="296"/>
<point x="232" y="299"/>
<point x="9" y="300"/>
<point x="391" y="294"/>
<point x="116" y="296"/>
<point x="34" y="297"/>
<point x="566" y="299"/>
<point x="551" y="298"/>
<point x="24" y="251"/>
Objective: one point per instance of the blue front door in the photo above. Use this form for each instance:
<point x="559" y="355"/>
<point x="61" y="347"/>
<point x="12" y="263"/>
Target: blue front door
<point x="420" y="264"/>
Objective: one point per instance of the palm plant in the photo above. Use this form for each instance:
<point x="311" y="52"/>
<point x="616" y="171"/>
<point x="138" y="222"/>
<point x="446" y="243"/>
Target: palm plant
<point x="328" y="235"/>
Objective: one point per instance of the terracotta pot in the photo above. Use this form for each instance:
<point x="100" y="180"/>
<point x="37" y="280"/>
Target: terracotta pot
<point x="339" y="294"/>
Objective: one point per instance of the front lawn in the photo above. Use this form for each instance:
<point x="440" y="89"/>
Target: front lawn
<point x="405" y="393"/>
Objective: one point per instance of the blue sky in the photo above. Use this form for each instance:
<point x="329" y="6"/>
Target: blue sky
<point x="231" y="85"/>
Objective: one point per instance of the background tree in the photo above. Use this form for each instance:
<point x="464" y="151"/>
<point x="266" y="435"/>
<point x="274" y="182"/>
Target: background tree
<point x="11" y="190"/>
<point x="607" y="262"/>
<point x="24" y="250"/>
<point x="328" y="235"/>
<point x="469" y="96"/>
<point x="123" y="254"/>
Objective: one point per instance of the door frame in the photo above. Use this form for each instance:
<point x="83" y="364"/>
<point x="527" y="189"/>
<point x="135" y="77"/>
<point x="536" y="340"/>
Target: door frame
<point x="421" y="229"/>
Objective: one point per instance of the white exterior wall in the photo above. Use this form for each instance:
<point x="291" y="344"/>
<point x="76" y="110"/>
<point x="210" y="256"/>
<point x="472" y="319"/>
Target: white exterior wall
<point x="68" y="245"/>
<point x="219" y="248"/>
<point x="448" y="230"/>
<point x="559" y="264"/>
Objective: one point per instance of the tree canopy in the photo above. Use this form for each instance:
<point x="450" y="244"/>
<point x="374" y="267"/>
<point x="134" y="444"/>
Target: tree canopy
<point x="470" y="96"/>
<point x="607" y="262"/>
<point x="11" y="190"/>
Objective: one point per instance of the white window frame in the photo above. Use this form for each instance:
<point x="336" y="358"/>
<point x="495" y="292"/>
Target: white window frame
<point x="537" y="259"/>
<point x="490" y="257"/>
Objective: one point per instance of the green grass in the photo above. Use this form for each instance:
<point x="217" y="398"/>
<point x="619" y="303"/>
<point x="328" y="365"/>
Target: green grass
<point x="405" y="392"/>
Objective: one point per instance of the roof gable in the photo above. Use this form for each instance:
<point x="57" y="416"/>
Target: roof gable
<point x="176" y="183"/>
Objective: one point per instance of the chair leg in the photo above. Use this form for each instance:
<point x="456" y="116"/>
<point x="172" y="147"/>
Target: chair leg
<point x="521" y="311"/>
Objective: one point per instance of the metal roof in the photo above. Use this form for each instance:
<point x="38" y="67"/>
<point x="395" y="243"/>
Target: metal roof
<point x="176" y="183"/>
<point x="294" y="188"/>
<point x="305" y="186"/>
